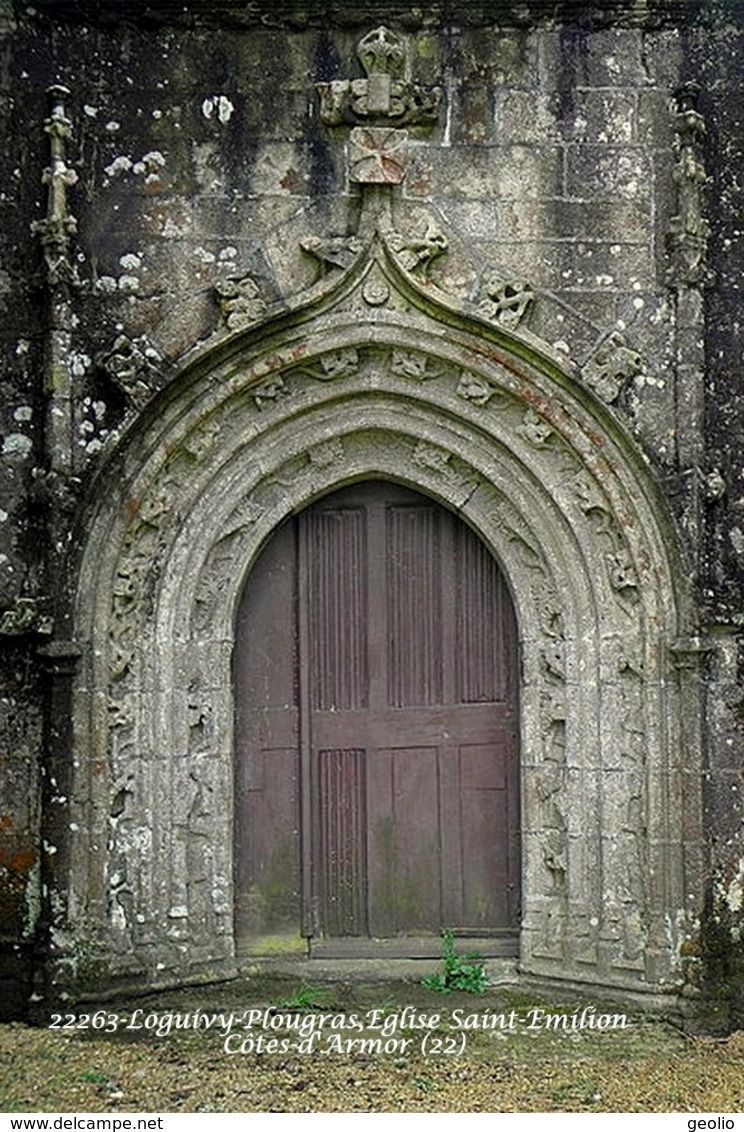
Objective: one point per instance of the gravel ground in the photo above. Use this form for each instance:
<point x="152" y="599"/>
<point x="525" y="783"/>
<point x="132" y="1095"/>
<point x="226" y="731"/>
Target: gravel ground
<point x="500" y="1066"/>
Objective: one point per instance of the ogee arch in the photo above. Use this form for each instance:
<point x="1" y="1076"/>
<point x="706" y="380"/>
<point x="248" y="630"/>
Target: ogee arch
<point x="375" y="375"/>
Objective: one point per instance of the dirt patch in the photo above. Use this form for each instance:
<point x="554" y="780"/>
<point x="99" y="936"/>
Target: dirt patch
<point x="238" y="1048"/>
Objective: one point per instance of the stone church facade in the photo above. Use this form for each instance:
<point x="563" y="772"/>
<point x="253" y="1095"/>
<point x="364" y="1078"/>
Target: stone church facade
<point x="297" y="298"/>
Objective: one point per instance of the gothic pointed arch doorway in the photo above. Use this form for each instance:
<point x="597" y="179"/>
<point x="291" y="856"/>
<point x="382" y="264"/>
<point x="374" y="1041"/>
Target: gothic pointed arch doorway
<point x="341" y="387"/>
<point x="377" y="775"/>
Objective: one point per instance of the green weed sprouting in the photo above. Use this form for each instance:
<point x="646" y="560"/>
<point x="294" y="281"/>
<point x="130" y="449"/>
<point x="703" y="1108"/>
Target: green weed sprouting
<point x="305" y="1000"/>
<point x="461" y="972"/>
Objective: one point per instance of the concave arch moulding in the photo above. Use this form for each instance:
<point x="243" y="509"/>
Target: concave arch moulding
<point x="411" y="388"/>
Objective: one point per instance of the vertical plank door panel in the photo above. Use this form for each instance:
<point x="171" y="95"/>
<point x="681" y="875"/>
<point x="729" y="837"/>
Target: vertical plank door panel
<point x="395" y="641"/>
<point x="267" y="850"/>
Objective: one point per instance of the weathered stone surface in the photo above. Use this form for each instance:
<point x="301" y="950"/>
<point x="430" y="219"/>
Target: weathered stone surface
<point x="153" y="437"/>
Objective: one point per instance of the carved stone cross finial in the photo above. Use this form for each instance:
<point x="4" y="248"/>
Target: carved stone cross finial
<point x="387" y="96"/>
<point x="378" y="106"/>
<point x="382" y="54"/>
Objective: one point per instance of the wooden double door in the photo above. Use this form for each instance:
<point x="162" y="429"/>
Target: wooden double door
<point x="376" y="732"/>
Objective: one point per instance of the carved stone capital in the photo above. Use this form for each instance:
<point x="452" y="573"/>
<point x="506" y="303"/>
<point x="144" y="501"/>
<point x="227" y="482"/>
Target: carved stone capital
<point x="58" y="124"/>
<point x="689" y="652"/>
<point x="60" y="658"/>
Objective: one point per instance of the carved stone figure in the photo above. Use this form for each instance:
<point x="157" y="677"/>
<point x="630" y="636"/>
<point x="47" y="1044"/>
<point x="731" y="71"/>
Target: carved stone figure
<point x="339" y="364"/>
<point x="534" y="429"/>
<point x="333" y="254"/>
<point x="270" y="391"/>
<point x="623" y="577"/>
<point x="474" y="389"/>
<point x="418" y="367"/>
<point x="334" y="365"/>
<point x="416" y="249"/>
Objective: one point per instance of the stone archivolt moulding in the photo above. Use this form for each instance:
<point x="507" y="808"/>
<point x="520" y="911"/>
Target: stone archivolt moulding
<point x="376" y="374"/>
